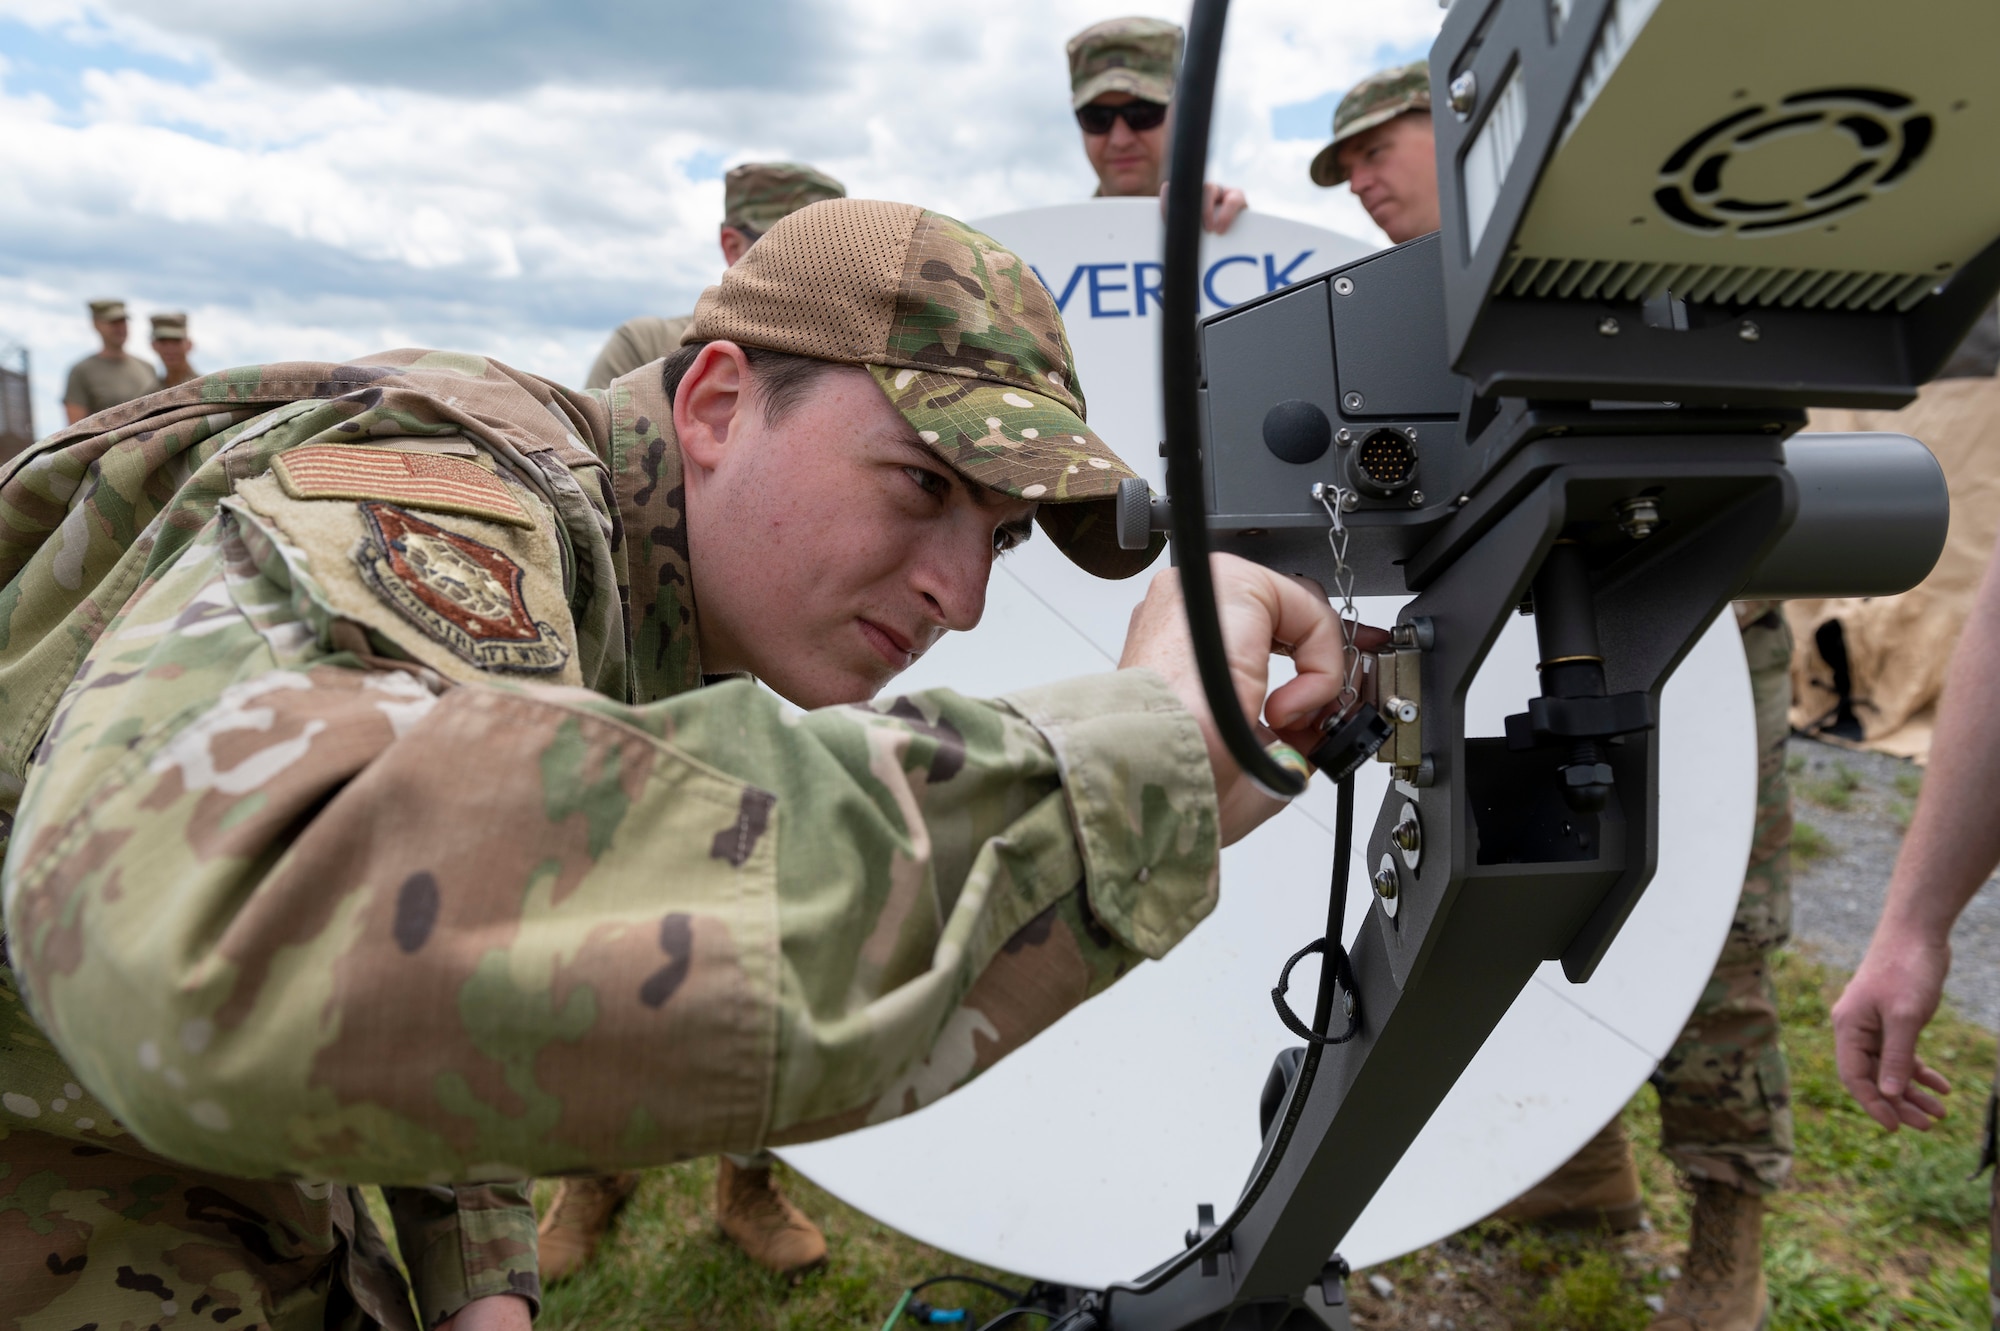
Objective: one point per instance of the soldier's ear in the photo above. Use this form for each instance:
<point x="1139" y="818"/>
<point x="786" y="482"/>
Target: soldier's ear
<point x="713" y="404"/>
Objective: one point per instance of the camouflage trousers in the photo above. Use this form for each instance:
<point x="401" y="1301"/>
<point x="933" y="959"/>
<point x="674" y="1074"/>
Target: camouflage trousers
<point x="1725" y="1092"/>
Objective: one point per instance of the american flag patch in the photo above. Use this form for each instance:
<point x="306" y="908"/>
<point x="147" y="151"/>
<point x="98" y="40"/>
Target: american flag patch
<point x="416" y="480"/>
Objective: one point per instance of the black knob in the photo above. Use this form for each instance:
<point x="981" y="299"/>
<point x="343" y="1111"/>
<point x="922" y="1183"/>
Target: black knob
<point x="1297" y="431"/>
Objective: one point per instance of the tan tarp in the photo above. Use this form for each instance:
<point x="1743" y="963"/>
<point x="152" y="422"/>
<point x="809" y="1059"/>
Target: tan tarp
<point x="1897" y="646"/>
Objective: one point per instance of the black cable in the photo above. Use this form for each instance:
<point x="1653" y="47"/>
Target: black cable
<point x="1011" y="1295"/>
<point x="1336" y="971"/>
<point x="1180" y="374"/>
<point x="1021" y="1310"/>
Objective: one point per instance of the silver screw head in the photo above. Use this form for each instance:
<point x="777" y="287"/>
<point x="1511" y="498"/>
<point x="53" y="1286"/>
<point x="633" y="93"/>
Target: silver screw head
<point x="1464" y="93"/>
<point x="1408" y="835"/>
<point x="1343" y="436"/>
<point x="1352" y="401"/>
<point x="1416" y="499"/>
<point x="1385" y="883"/>
<point x="1608" y="326"/>
<point x="1349" y="501"/>
<point x="1638" y="518"/>
<point x="1749" y="331"/>
<point x="1343" y="286"/>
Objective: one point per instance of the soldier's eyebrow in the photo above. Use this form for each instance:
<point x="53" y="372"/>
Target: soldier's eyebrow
<point x="982" y="495"/>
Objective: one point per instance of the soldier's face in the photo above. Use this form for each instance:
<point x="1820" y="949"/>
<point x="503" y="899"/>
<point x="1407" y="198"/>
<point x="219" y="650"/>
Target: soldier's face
<point x="1392" y="169"/>
<point x="113" y="331"/>
<point x="172" y="351"/>
<point x="830" y="549"/>
<point x="1128" y="162"/>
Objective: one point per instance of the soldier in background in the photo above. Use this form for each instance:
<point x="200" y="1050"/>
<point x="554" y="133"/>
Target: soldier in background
<point x="1121" y="79"/>
<point x="1725" y="1089"/>
<point x="172" y="344"/>
<point x="109" y="376"/>
<point x="755" y="1215"/>
<point x="755" y="196"/>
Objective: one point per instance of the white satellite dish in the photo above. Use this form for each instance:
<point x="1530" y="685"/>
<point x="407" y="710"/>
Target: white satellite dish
<point x="1080" y="1159"/>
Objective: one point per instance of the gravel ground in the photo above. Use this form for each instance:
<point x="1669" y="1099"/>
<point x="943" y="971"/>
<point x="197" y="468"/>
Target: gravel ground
<point x="1838" y="895"/>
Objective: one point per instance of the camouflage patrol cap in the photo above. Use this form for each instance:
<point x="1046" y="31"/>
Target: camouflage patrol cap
<point x="962" y="337"/>
<point x="1376" y="100"/>
<point x="1135" y="55"/>
<point x="170" y="326"/>
<point x="104" y="311"/>
<point x="757" y="195"/>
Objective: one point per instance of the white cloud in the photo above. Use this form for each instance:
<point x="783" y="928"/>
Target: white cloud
<point x="307" y="193"/>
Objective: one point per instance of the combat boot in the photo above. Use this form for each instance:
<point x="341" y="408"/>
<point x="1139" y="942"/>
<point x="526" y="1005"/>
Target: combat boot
<point x="578" y="1219"/>
<point x="758" y="1219"/>
<point x="1597" y="1188"/>
<point x="1723" y="1287"/>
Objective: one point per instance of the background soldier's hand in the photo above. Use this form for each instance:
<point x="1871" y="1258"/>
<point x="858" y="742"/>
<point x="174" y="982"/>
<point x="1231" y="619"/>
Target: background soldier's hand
<point x="1875" y="1027"/>
<point x="1220" y="205"/>
<point x="1263" y="614"/>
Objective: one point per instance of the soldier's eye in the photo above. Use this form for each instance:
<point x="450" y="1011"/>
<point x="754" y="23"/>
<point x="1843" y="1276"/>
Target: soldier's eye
<point x="932" y="484"/>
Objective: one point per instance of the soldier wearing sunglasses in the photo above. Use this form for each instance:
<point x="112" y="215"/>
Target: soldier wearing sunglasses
<point x="1121" y="75"/>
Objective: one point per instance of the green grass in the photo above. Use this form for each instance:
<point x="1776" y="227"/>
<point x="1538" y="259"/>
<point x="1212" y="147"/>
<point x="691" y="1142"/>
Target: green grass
<point x="1809" y="843"/>
<point x="1872" y="1231"/>
<point x="1833" y="791"/>
<point x="1909" y="781"/>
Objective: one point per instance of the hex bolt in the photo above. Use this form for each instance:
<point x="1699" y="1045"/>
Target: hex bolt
<point x="1748" y="331"/>
<point x="1464" y="92"/>
<point x="1608" y="326"/>
<point x="1343" y="436"/>
<point x="1416" y="499"/>
<point x="1385" y="883"/>
<point x="1343" y="286"/>
<point x="1408" y="836"/>
<point x="1638" y="518"/>
<point x="1351" y="402"/>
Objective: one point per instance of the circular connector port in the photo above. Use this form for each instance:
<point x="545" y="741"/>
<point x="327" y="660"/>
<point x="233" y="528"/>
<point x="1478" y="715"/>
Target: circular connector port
<point x="1385" y="462"/>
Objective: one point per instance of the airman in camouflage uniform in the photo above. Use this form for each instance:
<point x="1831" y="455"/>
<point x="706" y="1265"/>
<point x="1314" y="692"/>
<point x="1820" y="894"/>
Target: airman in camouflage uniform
<point x="172" y="345"/>
<point x="108" y="376"/>
<point x="1121" y="78"/>
<point x="369" y="822"/>
<point x="755" y="197"/>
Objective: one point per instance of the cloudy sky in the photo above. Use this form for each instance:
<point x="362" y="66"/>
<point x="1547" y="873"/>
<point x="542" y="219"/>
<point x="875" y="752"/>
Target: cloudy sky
<point x="516" y="178"/>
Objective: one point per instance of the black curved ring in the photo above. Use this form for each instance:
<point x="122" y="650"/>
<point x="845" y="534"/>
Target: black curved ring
<point x="1343" y="971"/>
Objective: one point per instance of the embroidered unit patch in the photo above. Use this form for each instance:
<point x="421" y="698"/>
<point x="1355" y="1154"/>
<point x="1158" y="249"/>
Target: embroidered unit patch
<point x="462" y="593"/>
<point x="419" y="480"/>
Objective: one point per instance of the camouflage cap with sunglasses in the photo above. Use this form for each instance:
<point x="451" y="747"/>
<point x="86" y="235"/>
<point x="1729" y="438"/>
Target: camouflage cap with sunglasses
<point x="756" y="195"/>
<point x="1139" y="56"/>
<point x="962" y="337"/>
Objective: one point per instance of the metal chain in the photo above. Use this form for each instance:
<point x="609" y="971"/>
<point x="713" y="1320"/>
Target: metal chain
<point x="1332" y="498"/>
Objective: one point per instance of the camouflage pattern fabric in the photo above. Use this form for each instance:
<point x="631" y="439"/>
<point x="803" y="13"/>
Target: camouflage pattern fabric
<point x="296" y="891"/>
<point x="756" y="196"/>
<point x="1376" y="100"/>
<point x="634" y="343"/>
<point x="1140" y="56"/>
<point x="1725" y="1090"/>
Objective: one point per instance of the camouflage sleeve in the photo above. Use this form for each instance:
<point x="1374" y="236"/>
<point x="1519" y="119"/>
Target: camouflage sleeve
<point x="464" y="1243"/>
<point x="287" y="914"/>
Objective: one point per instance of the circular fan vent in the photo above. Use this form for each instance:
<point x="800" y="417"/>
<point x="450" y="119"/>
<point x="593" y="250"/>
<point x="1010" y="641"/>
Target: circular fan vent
<point x="1815" y="155"/>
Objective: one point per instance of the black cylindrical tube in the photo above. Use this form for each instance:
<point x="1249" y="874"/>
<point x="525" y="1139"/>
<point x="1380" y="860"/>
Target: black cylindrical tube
<point x="1572" y="662"/>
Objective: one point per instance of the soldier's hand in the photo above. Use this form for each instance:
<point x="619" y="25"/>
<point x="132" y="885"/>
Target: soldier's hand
<point x="1263" y="614"/>
<point x="1875" y="1027"/>
<point x="1220" y="205"/>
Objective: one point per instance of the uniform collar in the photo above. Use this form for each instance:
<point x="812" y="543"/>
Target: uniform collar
<point x="660" y="628"/>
